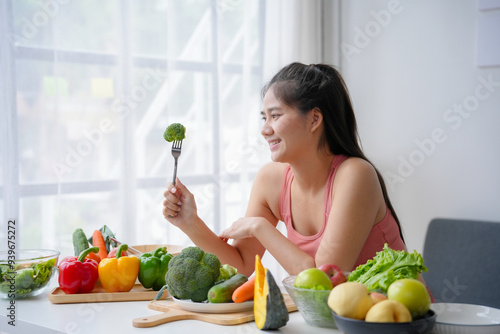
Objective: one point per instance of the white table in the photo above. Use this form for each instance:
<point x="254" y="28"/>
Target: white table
<point x="38" y="315"/>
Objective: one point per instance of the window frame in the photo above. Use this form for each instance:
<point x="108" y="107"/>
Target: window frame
<point x="12" y="191"/>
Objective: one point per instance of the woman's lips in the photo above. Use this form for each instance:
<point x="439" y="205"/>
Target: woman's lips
<point x="273" y="143"/>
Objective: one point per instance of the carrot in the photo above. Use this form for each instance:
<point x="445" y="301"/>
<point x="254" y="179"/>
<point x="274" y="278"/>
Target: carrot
<point x="98" y="241"/>
<point x="245" y="291"/>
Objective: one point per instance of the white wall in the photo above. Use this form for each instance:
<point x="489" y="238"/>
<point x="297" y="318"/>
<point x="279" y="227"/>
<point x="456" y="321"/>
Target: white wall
<point x="407" y="81"/>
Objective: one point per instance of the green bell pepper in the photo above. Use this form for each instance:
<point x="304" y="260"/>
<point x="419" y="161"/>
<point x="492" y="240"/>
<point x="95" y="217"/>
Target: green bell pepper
<point x="153" y="267"/>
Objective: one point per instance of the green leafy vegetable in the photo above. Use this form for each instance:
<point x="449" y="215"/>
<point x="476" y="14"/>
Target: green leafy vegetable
<point x="26" y="278"/>
<point x="386" y="267"/>
<point x="226" y="272"/>
<point x="175" y="131"/>
<point x="43" y="272"/>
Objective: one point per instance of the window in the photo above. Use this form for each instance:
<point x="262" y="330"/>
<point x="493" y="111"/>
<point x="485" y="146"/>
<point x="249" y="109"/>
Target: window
<point x="88" y="87"/>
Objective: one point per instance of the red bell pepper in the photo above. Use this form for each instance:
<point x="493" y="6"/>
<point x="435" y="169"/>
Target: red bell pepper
<point x="78" y="275"/>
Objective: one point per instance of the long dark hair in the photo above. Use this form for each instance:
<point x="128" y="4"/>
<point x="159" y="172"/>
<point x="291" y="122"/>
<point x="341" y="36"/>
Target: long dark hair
<point x="321" y="86"/>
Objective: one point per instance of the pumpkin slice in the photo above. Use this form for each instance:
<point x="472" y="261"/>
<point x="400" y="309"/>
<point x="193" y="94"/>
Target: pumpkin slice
<point x="269" y="306"/>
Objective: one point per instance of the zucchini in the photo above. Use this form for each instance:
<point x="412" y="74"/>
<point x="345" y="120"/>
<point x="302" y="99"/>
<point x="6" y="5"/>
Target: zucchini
<point x="80" y="242"/>
<point x="223" y="292"/>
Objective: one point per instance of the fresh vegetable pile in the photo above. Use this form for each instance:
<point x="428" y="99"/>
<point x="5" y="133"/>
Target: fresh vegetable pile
<point x="199" y="276"/>
<point x="101" y="238"/>
<point x="192" y="274"/>
<point x="99" y="259"/>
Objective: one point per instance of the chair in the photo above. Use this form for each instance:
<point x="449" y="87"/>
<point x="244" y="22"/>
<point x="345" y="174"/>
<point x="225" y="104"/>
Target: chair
<point x="463" y="259"/>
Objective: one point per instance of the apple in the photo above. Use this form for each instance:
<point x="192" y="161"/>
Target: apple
<point x="350" y="300"/>
<point x="377" y="297"/>
<point x="388" y="311"/>
<point x="336" y="275"/>
<point x="412" y="293"/>
<point x="313" y="278"/>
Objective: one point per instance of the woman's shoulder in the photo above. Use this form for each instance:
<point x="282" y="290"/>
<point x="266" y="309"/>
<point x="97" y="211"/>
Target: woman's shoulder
<point x="269" y="178"/>
<point x="355" y="162"/>
<point x="272" y="172"/>
<point x="267" y="185"/>
<point x="358" y="168"/>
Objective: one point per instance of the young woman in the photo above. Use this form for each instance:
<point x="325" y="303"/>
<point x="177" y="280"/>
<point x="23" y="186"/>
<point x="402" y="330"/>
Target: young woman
<point x="331" y="198"/>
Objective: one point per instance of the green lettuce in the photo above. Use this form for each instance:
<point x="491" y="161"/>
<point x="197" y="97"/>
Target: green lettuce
<point x="27" y="278"/>
<point x="226" y="272"/>
<point x="387" y="267"/>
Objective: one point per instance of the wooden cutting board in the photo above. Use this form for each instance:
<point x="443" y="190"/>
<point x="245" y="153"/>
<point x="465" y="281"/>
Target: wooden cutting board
<point x="99" y="295"/>
<point x="172" y="312"/>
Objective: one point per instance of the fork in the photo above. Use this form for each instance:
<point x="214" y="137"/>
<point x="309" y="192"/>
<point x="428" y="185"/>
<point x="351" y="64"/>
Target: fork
<point x="130" y="249"/>
<point x="176" y="153"/>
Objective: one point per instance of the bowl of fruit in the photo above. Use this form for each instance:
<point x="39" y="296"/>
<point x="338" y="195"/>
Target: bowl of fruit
<point x="26" y="272"/>
<point x="309" y="291"/>
<point x="404" y="309"/>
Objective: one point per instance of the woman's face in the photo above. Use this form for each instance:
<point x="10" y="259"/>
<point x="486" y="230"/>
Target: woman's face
<point x="284" y="129"/>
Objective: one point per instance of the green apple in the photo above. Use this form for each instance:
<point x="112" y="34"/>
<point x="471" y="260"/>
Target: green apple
<point x="411" y="293"/>
<point x="313" y="278"/>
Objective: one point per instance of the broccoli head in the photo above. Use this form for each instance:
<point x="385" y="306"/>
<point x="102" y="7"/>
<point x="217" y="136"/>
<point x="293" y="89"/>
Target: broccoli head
<point x="175" y="131"/>
<point x="192" y="273"/>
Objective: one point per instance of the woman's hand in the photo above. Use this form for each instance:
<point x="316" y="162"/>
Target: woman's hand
<point x="242" y="228"/>
<point x="179" y="206"/>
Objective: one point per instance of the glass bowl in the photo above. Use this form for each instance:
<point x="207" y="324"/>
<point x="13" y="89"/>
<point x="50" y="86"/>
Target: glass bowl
<point x="312" y="304"/>
<point x="26" y="272"/>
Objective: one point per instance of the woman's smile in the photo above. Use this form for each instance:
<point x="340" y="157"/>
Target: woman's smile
<point x="273" y="143"/>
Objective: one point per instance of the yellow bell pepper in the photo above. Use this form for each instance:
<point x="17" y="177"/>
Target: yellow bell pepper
<point x="119" y="274"/>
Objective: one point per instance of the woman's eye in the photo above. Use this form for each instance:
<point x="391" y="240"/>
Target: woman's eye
<point x="273" y="116"/>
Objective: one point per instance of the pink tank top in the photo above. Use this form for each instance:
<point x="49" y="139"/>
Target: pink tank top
<point x="385" y="231"/>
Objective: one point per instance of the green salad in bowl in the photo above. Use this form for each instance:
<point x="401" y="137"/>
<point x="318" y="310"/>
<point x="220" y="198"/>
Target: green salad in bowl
<point x="27" y="272"/>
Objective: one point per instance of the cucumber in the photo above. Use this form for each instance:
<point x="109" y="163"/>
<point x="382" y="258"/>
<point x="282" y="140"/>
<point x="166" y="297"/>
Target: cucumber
<point x="80" y="242"/>
<point x="223" y="292"/>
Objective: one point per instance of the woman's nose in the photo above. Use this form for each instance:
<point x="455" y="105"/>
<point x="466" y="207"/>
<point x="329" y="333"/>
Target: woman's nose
<point x="266" y="129"/>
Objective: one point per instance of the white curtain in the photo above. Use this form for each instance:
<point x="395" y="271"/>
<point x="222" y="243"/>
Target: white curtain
<point x="293" y="33"/>
<point x="88" y="87"/>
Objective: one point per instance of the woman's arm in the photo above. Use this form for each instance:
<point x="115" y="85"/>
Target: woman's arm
<point x="357" y="204"/>
<point x="179" y="208"/>
<point x="257" y="231"/>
